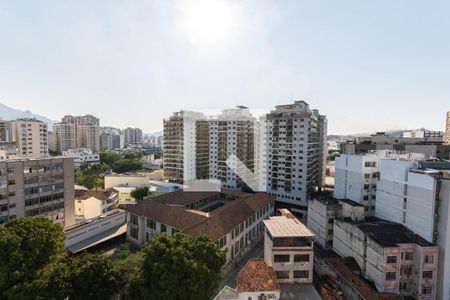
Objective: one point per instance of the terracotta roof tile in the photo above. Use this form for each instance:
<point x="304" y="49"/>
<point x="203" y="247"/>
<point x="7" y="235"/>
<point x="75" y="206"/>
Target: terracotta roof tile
<point x="257" y="276"/>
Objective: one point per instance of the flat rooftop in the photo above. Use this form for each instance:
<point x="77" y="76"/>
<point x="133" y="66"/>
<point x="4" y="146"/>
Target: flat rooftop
<point x="286" y="225"/>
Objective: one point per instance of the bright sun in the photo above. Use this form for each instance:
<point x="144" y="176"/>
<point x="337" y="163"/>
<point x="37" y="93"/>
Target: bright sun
<point x="209" y="22"/>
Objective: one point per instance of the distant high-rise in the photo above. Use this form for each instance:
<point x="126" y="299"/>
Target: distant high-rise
<point x="447" y="129"/>
<point x="296" y="153"/>
<point x="31" y="137"/>
<point x="110" y="138"/>
<point x="132" y="136"/>
<point x="77" y="132"/>
<point x="64" y="137"/>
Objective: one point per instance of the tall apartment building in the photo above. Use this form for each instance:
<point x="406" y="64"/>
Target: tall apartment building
<point x="417" y="195"/>
<point x="296" y="153"/>
<point x="185" y="134"/>
<point x="64" y="137"/>
<point x="231" y="133"/>
<point x="5" y="131"/>
<point x="447" y="129"/>
<point x="31" y="138"/>
<point x="77" y="132"/>
<point x="110" y="138"/>
<point x="37" y="187"/>
<point x="132" y="136"/>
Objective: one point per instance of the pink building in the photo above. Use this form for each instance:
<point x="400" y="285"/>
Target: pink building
<point x="392" y="256"/>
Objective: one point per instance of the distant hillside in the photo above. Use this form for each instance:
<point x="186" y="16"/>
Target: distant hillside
<point x="8" y="113"/>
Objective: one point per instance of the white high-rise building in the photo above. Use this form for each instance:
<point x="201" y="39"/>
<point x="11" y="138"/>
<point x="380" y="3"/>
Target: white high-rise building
<point x="232" y="133"/>
<point x="417" y="195"/>
<point x="296" y="153"/>
<point x="31" y="138"/>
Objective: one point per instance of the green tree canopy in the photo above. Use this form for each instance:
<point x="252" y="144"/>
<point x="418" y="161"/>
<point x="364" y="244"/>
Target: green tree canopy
<point x="92" y="276"/>
<point x="127" y="165"/>
<point x="27" y="247"/>
<point x="140" y="193"/>
<point x="109" y="158"/>
<point x="180" y="267"/>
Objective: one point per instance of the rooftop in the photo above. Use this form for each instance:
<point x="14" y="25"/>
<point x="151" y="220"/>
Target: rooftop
<point x="213" y="224"/>
<point x="376" y="230"/>
<point x="286" y="225"/>
<point x="257" y="276"/>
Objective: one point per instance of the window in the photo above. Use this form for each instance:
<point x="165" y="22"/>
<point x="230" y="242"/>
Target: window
<point x="133" y="219"/>
<point x="390" y="276"/>
<point x="367" y="176"/>
<point x="222" y="242"/>
<point x="151" y="224"/>
<point x="404" y="286"/>
<point x="427" y="274"/>
<point x="301" y="257"/>
<point x="134" y="233"/>
<point x="428" y="259"/>
<point x="301" y="274"/>
<point x="392" y="259"/>
<point x="163" y="228"/>
<point x="426" y="290"/>
<point x="281" y="258"/>
<point x="408" y="255"/>
<point x="282" y="274"/>
<point x="406" y="270"/>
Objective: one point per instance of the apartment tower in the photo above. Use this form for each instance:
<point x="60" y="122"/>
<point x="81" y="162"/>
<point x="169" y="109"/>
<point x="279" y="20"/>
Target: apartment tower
<point x="31" y="138"/>
<point x="296" y="153"/>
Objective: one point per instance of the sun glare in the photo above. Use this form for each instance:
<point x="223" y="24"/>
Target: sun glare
<point x="209" y="22"/>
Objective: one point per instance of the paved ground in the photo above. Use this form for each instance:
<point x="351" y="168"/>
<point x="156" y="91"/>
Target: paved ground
<point x="298" y="291"/>
<point x="230" y="278"/>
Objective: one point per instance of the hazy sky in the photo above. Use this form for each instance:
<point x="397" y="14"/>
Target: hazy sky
<point x="367" y="65"/>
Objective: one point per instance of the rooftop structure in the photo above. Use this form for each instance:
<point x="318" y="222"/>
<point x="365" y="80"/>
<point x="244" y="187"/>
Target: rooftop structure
<point x="286" y="225"/>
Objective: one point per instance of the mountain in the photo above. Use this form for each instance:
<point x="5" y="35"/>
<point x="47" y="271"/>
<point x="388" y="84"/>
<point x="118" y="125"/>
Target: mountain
<point x="8" y="113"/>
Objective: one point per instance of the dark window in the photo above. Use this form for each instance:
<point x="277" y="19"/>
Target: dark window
<point x="163" y="228"/>
<point x="134" y="233"/>
<point x="151" y="224"/>
<point x="390" y="276"/>
<point x="301" y="274"/>
<point x="281" y="258"/>
<point x="392" y="259"/>
<point x="427" y="274"/>
<point x="301" y="257"/>
<point x="282" y="274"/>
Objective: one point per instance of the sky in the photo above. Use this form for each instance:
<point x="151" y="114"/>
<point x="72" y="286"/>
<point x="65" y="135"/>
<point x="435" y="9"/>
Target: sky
<point x="367" y="65"/>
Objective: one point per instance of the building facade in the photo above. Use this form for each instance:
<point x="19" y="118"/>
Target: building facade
<point x="447" y="129"/>
<point x="31" y="138"/>
<point x="400" y="262"/>
<point x="77" y="132"/>
<point x="202" y="213"/>
<point x="37" y="187"/>
<point x="132" y="136"/>
<point x="289" y="248"/>
<point x="296" y="153"/>
<point x="64" y="137"/>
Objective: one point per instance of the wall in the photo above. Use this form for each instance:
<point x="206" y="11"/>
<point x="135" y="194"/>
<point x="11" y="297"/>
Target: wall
<point x="135" y="181"/>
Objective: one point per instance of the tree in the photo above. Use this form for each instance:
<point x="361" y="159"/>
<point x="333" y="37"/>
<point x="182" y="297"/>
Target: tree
<point x="109" y="158"/>
<point x="140" y="193"/>
<point x="29" y="247"/>
<point x="92" y="276"/>
<point x="88" y="181"/>
<point x="127" y="165"/>
<point x="180" y="267"/>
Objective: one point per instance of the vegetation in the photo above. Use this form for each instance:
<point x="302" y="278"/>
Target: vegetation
<point x="140" y="193"/>
<point x="34" y="265"/>
<point x="332" y="154"/>
<point x="127" y="165"/>
<point x="180" y="267"/>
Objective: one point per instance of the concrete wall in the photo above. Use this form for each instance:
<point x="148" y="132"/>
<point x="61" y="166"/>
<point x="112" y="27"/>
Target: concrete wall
<point x="443" y="241"/>
<point x="135" y="181"/>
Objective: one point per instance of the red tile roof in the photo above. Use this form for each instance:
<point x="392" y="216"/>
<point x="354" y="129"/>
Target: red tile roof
<point x="257" y="276"/>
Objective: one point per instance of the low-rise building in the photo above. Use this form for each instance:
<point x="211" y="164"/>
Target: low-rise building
<point x="392" y="256"/>
<point x="289" y="248"/>
<point x="89" y="204"/>
<point x="82" y="155"/>
<point x="132" y="180"/>
<point x="322" y="211"/>
<point x="231" y="218"/>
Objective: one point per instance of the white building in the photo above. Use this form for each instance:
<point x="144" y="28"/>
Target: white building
<point x="356" y="176"/>
<point x="417" y="195"/>
<point x="82" y="155"/>
<point x="288" y="248"/>
<point x="447" y="129"/>
<point x="89" y="205"/>
<point x="31" y="138"/>
<point x="296" y="153"/>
